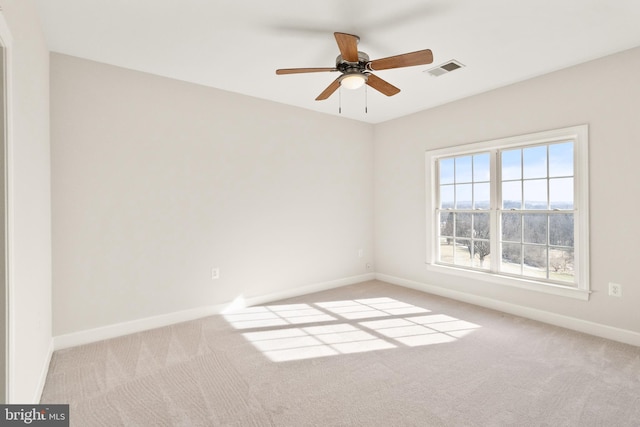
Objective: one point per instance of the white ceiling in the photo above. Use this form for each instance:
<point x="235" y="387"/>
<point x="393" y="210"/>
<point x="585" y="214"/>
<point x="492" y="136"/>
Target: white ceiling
<point x="238" y="45"/>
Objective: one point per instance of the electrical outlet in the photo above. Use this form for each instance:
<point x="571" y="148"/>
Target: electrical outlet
<point x="368" y="266"/>
<point x="215" y="273"/>
<point x="615" y="289"/>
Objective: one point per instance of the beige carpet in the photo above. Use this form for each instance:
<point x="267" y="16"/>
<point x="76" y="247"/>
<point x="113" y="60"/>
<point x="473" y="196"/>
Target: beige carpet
<point x="370" y="354"/>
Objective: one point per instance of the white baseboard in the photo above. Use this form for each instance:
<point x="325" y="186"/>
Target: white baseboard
<point x="43" y="374"/>
<point x="309" y="289"/>
<point x="139" y="325"/>
<point x="125" y="328"/>
<point x="616" y="334"/>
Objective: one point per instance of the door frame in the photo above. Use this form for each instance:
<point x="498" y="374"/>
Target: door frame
<point x="6" y="171"/>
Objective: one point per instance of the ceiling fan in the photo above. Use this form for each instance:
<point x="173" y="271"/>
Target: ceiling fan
<point x="356" y="68"/>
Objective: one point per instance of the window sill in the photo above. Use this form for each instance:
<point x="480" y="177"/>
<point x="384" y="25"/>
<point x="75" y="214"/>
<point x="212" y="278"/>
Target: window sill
<point x="531" y="285"/>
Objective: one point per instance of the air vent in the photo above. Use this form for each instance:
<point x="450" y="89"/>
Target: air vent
<point x="445" y="68"/>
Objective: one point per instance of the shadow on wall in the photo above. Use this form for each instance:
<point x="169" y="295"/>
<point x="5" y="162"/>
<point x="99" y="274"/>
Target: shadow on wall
<point x="343" y="327"/>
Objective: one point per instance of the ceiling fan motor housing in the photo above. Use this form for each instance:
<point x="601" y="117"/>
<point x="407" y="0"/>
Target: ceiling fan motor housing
<point x="347" y="67"/>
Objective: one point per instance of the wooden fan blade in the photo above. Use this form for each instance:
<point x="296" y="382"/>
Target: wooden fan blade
<point x="329" y="90"/>
<point x="348" y="45"/>
<point x="420" y="57"/>
<point x="303" y="70"/>
<point x="381" y="85"/>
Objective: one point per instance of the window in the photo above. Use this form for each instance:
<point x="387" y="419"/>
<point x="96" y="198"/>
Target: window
<point x="513" y="211"/>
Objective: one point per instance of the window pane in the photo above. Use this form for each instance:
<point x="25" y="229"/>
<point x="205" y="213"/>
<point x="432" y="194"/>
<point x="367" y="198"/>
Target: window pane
<point x="561" y="230"/>
<point x="535" y="194"/>
<point x="463" y="225"/>
<point x="446" y="171"/>
<point x="481" y="236"/>
<point x="446" y="224"/>
<point x="481" y="254"/>
<point x="446" y="250"/>
<point x="511" y="258"/>
<point x="463" y="169"/>
<point x="561" y="193"/>
<point x="446" y="196"/>
<point x="534" y="161"/>
<point x="511" y="164"/>
<point x="561" y="264"/>
<point x="535" y="228"/>
<point x="481" y="167"/>
<point x="481" y="226"/>
<point x="512" y="227"/>
<point x="463" y="196"/>
<point x="512" y="195"/>
<point x="481" y="195"/>
<point x="463" y="252"/>
<point x="561" y="159"/>
<point x="535" y="261"/>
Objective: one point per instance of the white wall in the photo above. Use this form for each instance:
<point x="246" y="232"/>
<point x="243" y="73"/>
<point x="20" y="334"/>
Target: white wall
<point x="156" y="181"/>
<point x="29" y="182"/>
<point x="605" y="94"/>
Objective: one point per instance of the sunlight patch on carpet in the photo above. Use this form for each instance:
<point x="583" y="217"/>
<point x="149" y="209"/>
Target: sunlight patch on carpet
<point x="276" y="315"/>
<point x="343" y="327"/>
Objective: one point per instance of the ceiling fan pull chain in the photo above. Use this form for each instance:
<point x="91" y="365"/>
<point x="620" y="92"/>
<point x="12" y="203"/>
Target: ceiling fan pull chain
<point x="366" y="100"/>
<point x="340" y="101"/>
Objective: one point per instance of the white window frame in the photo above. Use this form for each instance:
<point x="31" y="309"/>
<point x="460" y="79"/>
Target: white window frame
<point x="580" y="137"/>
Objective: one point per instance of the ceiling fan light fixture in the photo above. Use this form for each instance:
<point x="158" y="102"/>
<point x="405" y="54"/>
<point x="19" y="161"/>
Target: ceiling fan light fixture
<point x="353" y="80"/>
